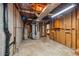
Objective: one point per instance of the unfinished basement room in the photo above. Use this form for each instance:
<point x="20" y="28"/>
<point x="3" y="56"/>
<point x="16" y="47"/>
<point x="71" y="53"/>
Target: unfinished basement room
<point x="39" y="29"/>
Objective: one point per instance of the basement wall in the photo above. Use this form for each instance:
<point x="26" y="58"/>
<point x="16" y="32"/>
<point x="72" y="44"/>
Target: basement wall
<point x="15" y="27"/>
<point x="2" y="36"/>
<point x="19" y="28"/>
<point x="63" y="29"/>
<point x="10" y="25"/>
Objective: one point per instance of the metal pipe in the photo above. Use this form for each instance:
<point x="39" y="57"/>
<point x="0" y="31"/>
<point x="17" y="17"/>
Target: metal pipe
<point x="5" y="28"/>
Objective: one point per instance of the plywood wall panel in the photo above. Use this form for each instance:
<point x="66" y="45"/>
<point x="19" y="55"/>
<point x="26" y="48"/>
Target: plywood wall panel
<point x="74" y="29"/>
<point x="62" y="32"/>
<point x="73" y="19"/>
<point x="65" y="29"/>
<point x="68" y="21"/>
<point x="77" y="43"/>
<point x="54" y="35"/>
<point x="62" y="36"/>
<point x="68" y="40"/>
<point x="57" y="23"/>
<point x="58" y="35"/>
<point x="68" y="30"/>
<point x="77" y="27"/>
<point x="73" y="39"/>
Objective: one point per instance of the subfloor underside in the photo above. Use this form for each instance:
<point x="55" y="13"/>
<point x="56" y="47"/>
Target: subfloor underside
<point x="43" y="47"/>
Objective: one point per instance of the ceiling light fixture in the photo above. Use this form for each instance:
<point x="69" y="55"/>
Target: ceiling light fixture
<point x="64" y="10"/>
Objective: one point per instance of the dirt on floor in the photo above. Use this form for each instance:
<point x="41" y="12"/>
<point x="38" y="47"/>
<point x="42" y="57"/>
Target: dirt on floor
<point x="43" y="47"/>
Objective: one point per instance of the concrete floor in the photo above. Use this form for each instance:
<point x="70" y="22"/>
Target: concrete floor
<point x="43" y="47"/>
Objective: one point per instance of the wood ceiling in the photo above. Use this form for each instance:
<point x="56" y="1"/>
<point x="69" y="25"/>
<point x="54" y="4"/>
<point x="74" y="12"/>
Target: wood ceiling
<point x="31" y="10"/>
<point x="38" y="7"/>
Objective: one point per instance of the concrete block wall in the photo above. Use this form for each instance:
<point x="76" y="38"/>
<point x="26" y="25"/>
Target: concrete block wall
<point x="14" y="15"/>
<point x="19" y="29"/>
<point x="2" y="36"/>
<point x="10" y="25"/>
